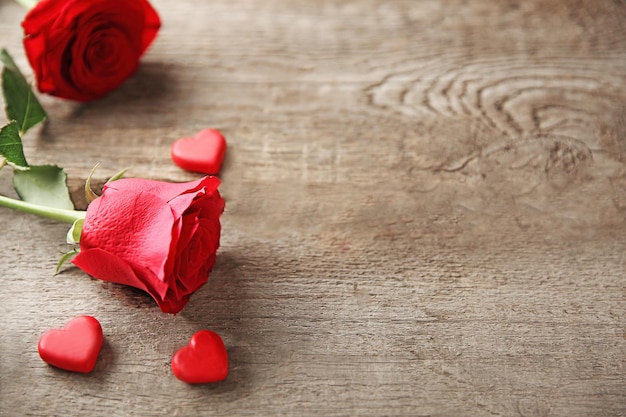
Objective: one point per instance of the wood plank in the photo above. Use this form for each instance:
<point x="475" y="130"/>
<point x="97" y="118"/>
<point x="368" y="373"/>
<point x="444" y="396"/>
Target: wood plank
<point x="425" y="213"/>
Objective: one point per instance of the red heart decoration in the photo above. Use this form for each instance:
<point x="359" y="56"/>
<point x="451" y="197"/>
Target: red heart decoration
<point x="74" y="348"/>
<point x="203" y="360"/>
<point x="202" y="153"/>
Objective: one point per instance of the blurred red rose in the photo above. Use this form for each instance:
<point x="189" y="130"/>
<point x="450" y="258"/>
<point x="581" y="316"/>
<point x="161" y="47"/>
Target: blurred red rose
<point x="84" y="49"/>
<point x="157" y="236"/>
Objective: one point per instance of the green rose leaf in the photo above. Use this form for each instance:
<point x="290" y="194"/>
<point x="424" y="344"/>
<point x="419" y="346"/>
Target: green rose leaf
<point x="11" y="145"/>
<point x="45" y="185"/>
<point x="21" y="103"/>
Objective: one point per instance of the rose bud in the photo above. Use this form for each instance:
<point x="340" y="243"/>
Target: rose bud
<point x="156" y="236"/>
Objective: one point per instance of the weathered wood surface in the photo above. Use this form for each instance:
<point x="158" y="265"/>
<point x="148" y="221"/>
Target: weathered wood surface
<point x="425" y="213"/>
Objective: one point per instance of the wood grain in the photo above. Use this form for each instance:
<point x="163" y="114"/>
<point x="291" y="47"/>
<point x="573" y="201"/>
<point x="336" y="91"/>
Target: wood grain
<point x="425" y="213"/>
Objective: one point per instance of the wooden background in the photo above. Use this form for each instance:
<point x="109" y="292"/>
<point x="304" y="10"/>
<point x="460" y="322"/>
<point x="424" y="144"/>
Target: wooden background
<point x="426" y="206"/>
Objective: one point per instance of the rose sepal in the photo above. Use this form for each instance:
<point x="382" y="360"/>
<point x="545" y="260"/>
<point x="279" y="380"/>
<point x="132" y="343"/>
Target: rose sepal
<point x="64" y="258"/>
<point x="27" y="4"/>
<point x="73" y="235"/>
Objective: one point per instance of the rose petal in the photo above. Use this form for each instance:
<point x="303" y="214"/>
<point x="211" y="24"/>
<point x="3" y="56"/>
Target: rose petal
<point x="136" y="227"/>
<point x="167" y="190"/>
<point x="108" y="267"/>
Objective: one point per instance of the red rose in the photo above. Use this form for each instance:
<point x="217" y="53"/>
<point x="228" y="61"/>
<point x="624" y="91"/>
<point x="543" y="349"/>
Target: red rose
<point x="157" y="236"/>
<point x="84" y="49"/>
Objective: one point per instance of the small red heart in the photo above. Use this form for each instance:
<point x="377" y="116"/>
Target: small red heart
<point x="74" y="348"/>
<point x="202" y="153"/>
<point x="203" y="360"/>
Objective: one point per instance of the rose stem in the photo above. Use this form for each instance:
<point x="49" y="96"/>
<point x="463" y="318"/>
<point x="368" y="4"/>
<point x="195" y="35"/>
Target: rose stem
<point x="28" y="4"/>
<point x="62" y="215"/>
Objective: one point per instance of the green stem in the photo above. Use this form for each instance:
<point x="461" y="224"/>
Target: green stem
<point x="61" y="215"/>
<point x="28" y="4"/>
